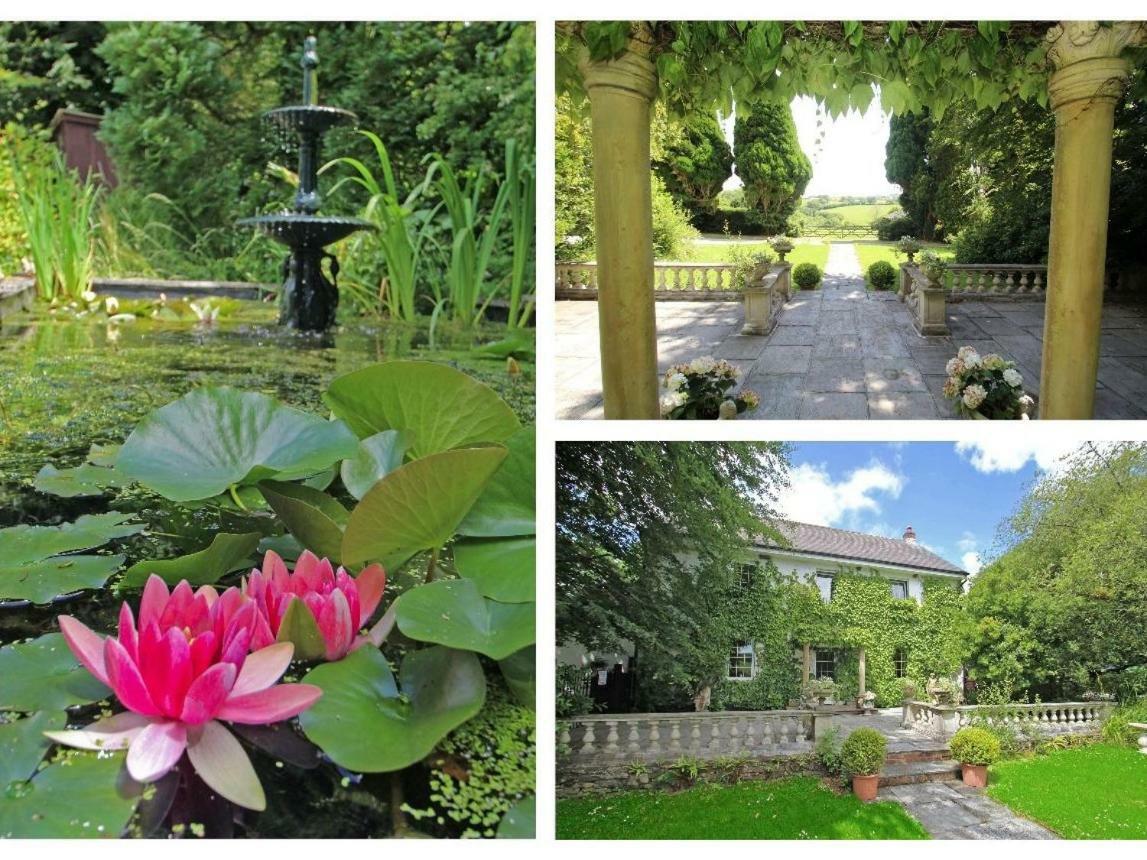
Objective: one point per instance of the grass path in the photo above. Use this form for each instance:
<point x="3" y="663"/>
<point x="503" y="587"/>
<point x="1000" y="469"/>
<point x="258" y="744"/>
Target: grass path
<point x="795" y="808"/>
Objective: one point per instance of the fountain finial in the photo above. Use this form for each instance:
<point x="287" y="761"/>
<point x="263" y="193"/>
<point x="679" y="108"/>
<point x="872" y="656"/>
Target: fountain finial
<point x="309" y="62"/>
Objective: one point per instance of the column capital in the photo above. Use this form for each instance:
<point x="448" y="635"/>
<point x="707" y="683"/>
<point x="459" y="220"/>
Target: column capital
<point x="1086" y="59"/>
<point x="632" y="73"/>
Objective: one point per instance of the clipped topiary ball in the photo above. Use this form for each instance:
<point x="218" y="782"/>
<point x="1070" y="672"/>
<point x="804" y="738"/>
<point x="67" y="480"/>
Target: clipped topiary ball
<point x="973" y="745"/>
<point x="806" y="276"/>
<point x="863" y="752"/>
<point x="881" y="275"/>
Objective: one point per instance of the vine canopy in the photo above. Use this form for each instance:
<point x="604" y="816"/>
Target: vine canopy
<point x="911" y="65"/>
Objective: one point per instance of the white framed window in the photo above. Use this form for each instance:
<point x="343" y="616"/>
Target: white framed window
<point x="900" y="662"/>
<point x="746" y="574"/>
<point x="824" y="584"/>
<point x="742" y="662"/>
<point x="825" y="664"/>
<point x="899" y="588"/>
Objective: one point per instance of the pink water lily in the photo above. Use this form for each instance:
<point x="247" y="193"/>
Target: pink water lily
<point x="338" y="603"/>
<point x="186" y="665"/>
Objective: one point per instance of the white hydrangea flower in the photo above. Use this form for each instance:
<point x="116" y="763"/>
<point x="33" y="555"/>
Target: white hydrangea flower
<point x="971" y="358"/>
<point x="1013" y="377"/>
<point x="954" y="366"/>
<point x="675" y="381"/>
<point x="727" y="410"/>
<point x="974" y="395"/>
<point x="705" y="364"/>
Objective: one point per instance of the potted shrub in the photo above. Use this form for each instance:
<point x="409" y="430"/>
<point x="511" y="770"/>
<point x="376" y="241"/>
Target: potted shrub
<point x="975" y="748"/>
<point x="700" y="389"/>
<point x="862" y="756"/>
<point x="806" y="276"/>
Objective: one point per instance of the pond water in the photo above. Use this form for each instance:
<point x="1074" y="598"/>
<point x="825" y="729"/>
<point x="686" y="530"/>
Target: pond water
<point x="66" y="383"/>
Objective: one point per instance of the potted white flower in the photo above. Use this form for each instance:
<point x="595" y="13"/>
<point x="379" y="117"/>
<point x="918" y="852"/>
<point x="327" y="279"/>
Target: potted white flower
<point x="701" y="389"/>
<point x="908" y="246"/>
<point x="986" y="387"/>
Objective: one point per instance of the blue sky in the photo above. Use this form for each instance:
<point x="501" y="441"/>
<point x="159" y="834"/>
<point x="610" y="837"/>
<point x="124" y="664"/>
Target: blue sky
<point x="953" y="495"/>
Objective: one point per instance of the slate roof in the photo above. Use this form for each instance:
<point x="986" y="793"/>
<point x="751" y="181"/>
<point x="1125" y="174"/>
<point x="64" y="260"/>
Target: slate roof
<point x="855" y="546"/>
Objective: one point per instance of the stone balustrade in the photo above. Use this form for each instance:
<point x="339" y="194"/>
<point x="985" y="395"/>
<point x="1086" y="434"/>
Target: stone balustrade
<point x="765" y="293"/>
<point x="925" y="300"/>
<point x="603" y="739"/>
<point x="671" y="281"/>
<point x="1048" y="718"/>
<point x="985" y="281"/>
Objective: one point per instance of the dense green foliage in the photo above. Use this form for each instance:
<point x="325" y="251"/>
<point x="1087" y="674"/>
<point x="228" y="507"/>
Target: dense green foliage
<point x="646" y="536"/>
<point x="806" y="275"/>
<point x="795" y="808"/>
<point x="573" y="201"/>
<point x="48" y="65"/>
<point x="972" y="745"/>
<point x="881" y="275"/>
<point x="1064" y="610"/>
<point x="1092" y="793"/>
<point x="770" y="162"/>
<point x="863" y="752"/>
<point x="906" y="165"/>
<point x="693" y="158"/>
<point x="1116" y="729"/>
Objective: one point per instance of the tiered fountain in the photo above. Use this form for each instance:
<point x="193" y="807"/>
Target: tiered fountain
<point x="309" y="297"/>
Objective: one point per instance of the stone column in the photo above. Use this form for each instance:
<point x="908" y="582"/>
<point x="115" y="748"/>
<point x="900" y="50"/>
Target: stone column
<point x="861" y="672"/>
<point x="1087" y="82"/>
<point x="806" y="662"/>
<point x="621" y="92"/>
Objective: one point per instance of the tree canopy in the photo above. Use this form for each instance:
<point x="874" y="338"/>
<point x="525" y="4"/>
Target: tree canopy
<point x="906" y="164"/>
<point x="1064" y="609"/>
<point x="646" y="536"/>
<point x="770" y="161"/>
<point x="693" y="158"/>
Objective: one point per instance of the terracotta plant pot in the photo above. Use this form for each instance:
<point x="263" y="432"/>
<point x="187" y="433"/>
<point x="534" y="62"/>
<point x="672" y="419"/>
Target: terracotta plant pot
<point x="864" y="787"/>
<point x="975" y="775"/>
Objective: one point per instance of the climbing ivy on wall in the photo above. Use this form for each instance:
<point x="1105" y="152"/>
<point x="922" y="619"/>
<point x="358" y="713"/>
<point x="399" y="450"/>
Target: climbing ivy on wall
<point x="779" y="614"/>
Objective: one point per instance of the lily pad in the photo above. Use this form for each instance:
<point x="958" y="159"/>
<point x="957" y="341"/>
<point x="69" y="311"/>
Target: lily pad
<point x="225" y="554"/>
<point x="518" y="343"/>
<point x="33" y="561"/>
<point x="213" y="439"/>
<point x="442" y="408"/>
<point x="419" y="505"/>
<point x="82" y="480"/>
<point x="363" y="723"/>
<point x="314" y="518"/>
<point x="520" y="673"/>
<point x="518" y="822"/>
<point x="22" y="744"/>
<point x="452" y="612"/>
<point x="79" y="797"/>
<point x="377" y="457"/>
<point x="44" y="675"/>
<point x="506" y="506"/>
<point x="503" y="568"/>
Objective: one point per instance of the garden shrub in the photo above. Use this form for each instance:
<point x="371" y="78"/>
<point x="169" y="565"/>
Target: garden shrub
<point x="482" y="768"/>
<point x="976" y="746"/>
<point x="1116" y="729"/>
<point x="806" y="275"/>
<point x="571" y="698"/>
<point x="731" y="768"/>
<point x="672" y="228"/>
<point x="863" y="752"/>
<point x="881" y="275"/>
<point x="828" y="751"/>
<point x="683" y="772"/>
<point x="893" y="227"/>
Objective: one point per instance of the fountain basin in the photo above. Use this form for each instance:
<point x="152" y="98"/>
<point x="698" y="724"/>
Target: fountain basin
<point x="298" y="230"/>
<point x="309" y="119"/>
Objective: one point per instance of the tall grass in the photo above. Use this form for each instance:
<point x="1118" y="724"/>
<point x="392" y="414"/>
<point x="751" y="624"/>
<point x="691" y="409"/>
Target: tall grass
<point x="57" y="209"/>
<point x="520" y="202"/>
<point x="400" y="236"/>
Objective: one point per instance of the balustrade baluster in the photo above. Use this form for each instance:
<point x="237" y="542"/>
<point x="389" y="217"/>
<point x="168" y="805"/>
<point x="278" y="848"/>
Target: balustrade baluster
<point x="715" y="737"/>
<point x="734" y="736"/>
<point x="654" y="737"/>
<point x="587" y="740"/>
<point x="633" y="745"/>
<point x="675" y="736"/>
<point x="750" y="734"/>
<point x="695" y="736"/>
<point x="564" y="735"/>
<point x="611" y="737"/>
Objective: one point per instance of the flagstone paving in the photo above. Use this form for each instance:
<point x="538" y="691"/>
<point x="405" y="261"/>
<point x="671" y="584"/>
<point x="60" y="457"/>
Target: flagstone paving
<point x="846" y="352"/>
<point x="952" y="810"/>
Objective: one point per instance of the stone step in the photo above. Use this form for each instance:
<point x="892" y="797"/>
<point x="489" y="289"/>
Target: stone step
<point x="919" y="771"/>
<point x="907" y="756"/>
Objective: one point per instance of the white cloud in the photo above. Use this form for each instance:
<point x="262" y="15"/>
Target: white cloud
<point x="1010" y="454"/>
<point x="967" y="542"/>
<point x="971" y="562"/>
<point x="815" y="497"/>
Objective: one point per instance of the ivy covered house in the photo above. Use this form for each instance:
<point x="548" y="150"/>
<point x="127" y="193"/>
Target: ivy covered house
<point x="869" y="612"/>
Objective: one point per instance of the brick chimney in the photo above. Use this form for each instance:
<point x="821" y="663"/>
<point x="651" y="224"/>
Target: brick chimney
<point x="909" y="535"/>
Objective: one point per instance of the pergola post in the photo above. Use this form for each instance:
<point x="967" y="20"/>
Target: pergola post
<point x="1087" y="82"/>
<point x="806" y="662"/>
<point x="860" y="672"/>
<point x="621" y="92"/>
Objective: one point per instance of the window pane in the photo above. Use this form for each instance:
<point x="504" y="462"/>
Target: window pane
<point x="825" y="665"/>
<point x="824" y="584"/>
<point x="900" y="589"/>
<point x="741" y="661"/>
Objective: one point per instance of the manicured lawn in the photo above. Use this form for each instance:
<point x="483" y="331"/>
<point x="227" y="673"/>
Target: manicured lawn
<point x="1097" y="792"/>
<point x="870" y="252"/>
<point x="795" y="808"/>
<point x="806" y="251"/>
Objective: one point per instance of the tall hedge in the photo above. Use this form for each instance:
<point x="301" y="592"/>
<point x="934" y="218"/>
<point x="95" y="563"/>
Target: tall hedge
<point x="769" y="160"/>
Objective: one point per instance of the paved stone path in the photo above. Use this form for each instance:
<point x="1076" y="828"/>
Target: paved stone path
<point x="952" y="810"/>
<point x="844" y="352"/>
